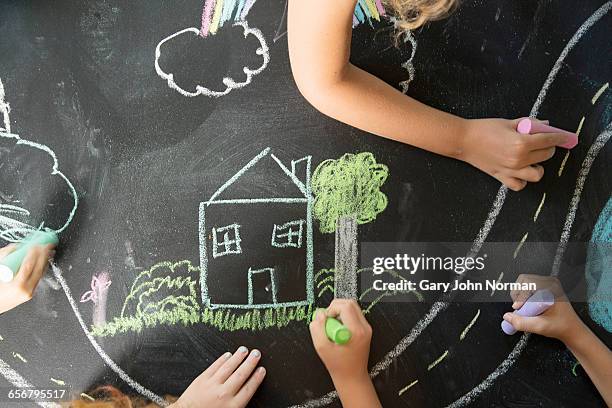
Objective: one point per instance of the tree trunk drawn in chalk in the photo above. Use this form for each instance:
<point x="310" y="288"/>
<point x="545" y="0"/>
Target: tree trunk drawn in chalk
<point x="347" y="194"/>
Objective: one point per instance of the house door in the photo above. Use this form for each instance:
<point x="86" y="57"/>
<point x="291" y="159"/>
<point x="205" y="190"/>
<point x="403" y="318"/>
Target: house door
<point x="262" y="287"/>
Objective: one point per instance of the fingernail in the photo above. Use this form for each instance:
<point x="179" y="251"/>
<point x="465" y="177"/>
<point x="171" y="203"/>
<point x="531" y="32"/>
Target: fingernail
<point x="255" y="354"/>
<point x="242" y="350"/>
<point x="515" y="305"/>
<point x="227" y="355"/>
<point x="507" y="316"/>
<point x="571" y="141"/>
<point x="262" y="371"/>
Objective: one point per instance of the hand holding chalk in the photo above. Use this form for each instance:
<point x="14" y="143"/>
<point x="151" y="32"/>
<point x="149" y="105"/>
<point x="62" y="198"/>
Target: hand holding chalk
<point x="537" y="304"/>
<point x="335" y="331"/>
<point x="347" y="364"/>
<point x="9" y="265"/>
<point x="528" y="126"/>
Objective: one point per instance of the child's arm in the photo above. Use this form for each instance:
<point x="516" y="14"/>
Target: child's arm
<point x="319" y="47"/>
<point x="23" y="285"/>
<point x="347" y="364"/>
<point x="562" y="322"/>
<point x="230" y="381"/>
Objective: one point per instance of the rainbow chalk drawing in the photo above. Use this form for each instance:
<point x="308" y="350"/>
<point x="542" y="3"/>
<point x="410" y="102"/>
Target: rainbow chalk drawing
<point x="218" y="12"/>
<point x="15" y="222"/>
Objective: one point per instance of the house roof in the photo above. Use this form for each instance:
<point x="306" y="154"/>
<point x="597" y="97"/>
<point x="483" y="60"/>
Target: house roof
<point x="263" y="178"/>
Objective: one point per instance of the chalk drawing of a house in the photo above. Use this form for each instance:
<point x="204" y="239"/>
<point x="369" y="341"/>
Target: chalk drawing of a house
<point x="255" y="233"/>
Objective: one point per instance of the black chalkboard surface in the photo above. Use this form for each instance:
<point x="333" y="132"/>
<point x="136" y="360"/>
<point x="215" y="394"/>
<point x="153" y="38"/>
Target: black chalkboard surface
<point x="162" y="138"/>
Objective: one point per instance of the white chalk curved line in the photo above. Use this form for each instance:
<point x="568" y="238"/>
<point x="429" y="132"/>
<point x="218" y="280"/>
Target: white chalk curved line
<point x="230" y="83"/>
<point x="409" y="64"/>
<point x="498" y="203"/>
<point x="424" y="322"/>
<point x="145" y="392"/>
<point x="592" y="154"/>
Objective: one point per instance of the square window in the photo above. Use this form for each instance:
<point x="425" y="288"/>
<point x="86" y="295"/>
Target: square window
<point x="226" y="240"/>
<point x="288" y="235"/>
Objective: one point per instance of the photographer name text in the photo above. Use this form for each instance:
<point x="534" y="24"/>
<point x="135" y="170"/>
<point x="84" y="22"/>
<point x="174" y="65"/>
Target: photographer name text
<point x="461" y="286"/>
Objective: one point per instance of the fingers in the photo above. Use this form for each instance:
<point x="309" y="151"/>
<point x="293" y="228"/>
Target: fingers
<point x="532" y="174"/>
<point x="41" y="266"/>
<point x="348" y="311"/>
<point x="4" y="251"/>
<point x="224" y="372"/>
<point x="214" y="367"/>
<point x="27" y="266"/>
<point x="540" y="155"/>
<point x="512" y="183"/>
<point x="539" y="141"/>
<point x="248" y="390"/>
<point x="520" y="298"/>
<point x="317" y="330"/>
<point x="235" y="382"/>
<point x="524" y="323"/>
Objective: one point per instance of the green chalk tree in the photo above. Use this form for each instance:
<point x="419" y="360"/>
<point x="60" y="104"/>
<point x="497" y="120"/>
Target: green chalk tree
<point x="347" y="194"/>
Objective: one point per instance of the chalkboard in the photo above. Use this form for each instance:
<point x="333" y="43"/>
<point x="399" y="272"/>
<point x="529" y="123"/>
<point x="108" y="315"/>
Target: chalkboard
<point x="156" y="135"/>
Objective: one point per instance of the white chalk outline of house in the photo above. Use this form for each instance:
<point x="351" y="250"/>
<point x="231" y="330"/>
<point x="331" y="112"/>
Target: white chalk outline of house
<point x="306" y="198"/>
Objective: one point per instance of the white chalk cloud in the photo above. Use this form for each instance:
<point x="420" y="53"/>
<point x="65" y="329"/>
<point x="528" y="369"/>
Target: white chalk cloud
<point x="227" y="82"/>
<point x="17" y="221"/>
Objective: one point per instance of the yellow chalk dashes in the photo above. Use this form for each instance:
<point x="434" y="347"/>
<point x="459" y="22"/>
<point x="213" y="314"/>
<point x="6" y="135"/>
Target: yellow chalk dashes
<point x="520" y="245"/>
<point x="19" y="357"/>
<point x="406" y="388"/>
<point x="599" y="93"/>
<point x="437" y="360"/>
<point x="469" y="326"/>
<point x="537" y="213"/>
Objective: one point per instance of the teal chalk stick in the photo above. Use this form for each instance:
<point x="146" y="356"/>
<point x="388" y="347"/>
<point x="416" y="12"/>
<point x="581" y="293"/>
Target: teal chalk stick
<point x="335" y="331"/>
<point x="9" y="265"/>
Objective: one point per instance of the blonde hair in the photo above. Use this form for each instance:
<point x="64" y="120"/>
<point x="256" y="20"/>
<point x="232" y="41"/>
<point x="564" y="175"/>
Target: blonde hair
<point x="412" y="14"/>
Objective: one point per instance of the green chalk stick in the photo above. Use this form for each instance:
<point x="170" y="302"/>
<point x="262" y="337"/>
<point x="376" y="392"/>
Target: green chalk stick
<point x="336" y="331"/>
<point x="9" y="265"/>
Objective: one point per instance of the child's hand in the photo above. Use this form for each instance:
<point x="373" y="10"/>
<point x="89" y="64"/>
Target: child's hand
<point x="560" y="321"/>
<point x="348" y="363"/>
<point x="495" y="147"/>
<point x="22" y="287"/>
<point x="229" y="382"/>
<point x="347" y="360"/>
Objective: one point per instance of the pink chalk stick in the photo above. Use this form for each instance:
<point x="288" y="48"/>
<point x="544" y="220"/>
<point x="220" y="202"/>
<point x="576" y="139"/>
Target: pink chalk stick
<point x="528" y="127"/>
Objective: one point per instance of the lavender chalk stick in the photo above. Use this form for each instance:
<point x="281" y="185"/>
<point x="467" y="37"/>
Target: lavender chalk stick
<point x="537" y="304"/>
<point x="528" y="126"/>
